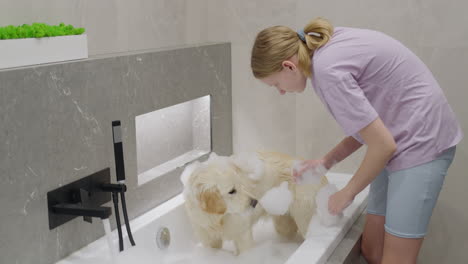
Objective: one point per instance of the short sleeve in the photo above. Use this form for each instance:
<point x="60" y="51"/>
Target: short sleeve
<point x="346" y="101"/>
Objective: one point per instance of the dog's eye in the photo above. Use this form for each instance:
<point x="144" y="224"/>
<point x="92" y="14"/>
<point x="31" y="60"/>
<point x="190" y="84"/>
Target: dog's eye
<point x="233" y="191"/>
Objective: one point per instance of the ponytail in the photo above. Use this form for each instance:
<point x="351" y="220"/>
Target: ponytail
<point x="317" y="33"/>
<point x="276" y="44"/>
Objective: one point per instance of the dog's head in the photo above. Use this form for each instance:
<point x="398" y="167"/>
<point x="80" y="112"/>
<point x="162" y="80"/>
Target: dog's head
<point x="220" y="187"/>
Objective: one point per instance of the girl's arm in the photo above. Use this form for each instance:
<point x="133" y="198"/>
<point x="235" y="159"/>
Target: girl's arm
<point x="380" y="148"/>
<point x="341" y="151"/>
<point x="345" y="148"/>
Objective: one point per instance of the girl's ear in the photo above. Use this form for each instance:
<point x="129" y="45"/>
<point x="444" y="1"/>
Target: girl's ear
<point x="289" y="65"/>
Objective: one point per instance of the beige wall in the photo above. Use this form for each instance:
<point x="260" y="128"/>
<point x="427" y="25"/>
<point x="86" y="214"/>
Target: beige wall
<point x="111" y="25"/>
<point x="435" y="30"/>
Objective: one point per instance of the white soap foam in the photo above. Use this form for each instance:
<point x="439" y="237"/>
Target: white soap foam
<point x="185" y="176"/>
<point x="268" y="248"/>
<point x="249" y="162"/>
<point x="321" y="199"/>
<point x="277" y="200"/>
<point x="219" y="161"/>
<point x="213" y="156"/>
<point x="310" y="176"/>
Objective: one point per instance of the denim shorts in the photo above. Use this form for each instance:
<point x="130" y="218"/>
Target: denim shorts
<point x="407" y="197"/>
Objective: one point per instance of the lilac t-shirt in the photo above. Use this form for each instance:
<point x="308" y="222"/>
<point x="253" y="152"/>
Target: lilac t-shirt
<point x="364" y="74"/>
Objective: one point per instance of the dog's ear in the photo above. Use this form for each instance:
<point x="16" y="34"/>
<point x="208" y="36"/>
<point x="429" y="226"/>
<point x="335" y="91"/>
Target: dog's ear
<point x="212" y="202"/>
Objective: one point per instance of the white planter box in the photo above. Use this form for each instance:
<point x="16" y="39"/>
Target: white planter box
<point x="31" y="51"/>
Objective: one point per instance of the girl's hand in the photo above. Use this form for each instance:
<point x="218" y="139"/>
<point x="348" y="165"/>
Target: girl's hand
<point x="315" y="165"/>
<point x="339" y="201"/>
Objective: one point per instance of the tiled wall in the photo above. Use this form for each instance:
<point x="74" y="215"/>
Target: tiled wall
<point x="55" y="127"/>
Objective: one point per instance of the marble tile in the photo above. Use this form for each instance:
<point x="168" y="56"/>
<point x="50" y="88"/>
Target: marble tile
<point x="56" y="128"/>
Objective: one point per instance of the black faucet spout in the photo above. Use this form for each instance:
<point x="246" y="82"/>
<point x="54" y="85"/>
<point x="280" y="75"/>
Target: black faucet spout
<point x="113" y="187"/>
<point x="80" y="210"/>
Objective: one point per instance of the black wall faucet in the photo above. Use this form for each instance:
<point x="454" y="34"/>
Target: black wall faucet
<point x="120" y="186"/>
<point x="80" y="210"/>
<point x="83" y="197"/>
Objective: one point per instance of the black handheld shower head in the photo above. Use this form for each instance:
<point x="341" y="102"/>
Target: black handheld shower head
<point x="120" y="187"/>
<point x="118" y="151"/>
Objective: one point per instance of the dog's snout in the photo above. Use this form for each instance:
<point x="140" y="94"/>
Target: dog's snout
<point x="253" y="203"/>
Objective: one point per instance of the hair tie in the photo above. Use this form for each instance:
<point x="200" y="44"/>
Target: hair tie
<point x="301" y="34"/>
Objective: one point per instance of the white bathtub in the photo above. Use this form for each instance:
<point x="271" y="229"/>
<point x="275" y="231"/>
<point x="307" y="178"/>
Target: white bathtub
<point x="184" y="248"/>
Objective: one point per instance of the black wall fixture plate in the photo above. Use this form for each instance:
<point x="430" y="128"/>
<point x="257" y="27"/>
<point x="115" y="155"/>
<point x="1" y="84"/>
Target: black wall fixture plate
<point x="86" y="192"/>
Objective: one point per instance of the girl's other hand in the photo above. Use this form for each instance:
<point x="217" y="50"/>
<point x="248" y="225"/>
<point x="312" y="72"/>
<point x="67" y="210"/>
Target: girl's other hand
<point x="317" y="166"/>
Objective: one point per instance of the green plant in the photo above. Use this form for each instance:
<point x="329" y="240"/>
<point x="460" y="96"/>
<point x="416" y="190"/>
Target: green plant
<point x="38" y="30"/>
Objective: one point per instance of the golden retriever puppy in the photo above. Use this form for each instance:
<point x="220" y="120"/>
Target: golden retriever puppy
<point x="219" y="204"/>
<point x="276" y="171"/>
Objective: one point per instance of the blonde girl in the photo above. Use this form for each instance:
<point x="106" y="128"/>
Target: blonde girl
<point x="382" y="96"/>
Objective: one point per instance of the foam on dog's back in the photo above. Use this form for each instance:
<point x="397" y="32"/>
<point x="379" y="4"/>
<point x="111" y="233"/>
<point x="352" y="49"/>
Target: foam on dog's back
<point x="277" y="200"/>
<point x="250" y="163"/>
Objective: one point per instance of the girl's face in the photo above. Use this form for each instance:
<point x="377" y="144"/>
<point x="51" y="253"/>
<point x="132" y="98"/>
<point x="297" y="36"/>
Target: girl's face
<point x="290" y="79"/>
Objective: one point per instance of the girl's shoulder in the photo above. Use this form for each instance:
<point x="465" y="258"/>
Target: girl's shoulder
<point x="353" y="48"/>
